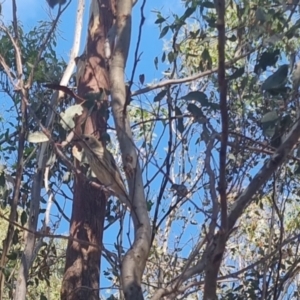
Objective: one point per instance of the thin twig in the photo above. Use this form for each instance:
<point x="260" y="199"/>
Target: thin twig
<point x="136" y="54"/>
<point x="187" y="79"/>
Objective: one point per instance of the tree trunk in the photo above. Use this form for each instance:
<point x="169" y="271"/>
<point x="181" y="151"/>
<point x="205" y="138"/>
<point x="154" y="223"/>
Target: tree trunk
<point x="81" y="278"/>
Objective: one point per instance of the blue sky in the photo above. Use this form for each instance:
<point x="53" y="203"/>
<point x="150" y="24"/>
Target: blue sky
<point x="150" y="45"/>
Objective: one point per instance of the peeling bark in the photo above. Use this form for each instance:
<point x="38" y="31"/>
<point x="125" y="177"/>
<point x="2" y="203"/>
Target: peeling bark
<point x="82" y="270"/>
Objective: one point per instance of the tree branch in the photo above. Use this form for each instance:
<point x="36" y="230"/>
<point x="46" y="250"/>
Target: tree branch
<point x="135" y="259"/>
<point x="164" y="83"/>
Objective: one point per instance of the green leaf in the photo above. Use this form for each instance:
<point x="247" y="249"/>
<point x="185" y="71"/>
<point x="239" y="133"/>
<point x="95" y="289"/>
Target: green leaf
<point x="149" y="205"/>
<point x="2" y="176"/>
<point x="286" y="122"/>
<point x="156" y="62"/>
<point x="36" y="281"/>
<point x="160" y="20"/>
<point x="194" y="34"/>
<point x="105" y="137"/>
<point x="23" y="217"/>
<point x="232" y="38"/>
<point x="214" y="106"/>
<point x="189" y="11"/>
<point x="37" y="137"/>
<point x="12" y="256"/>
<point x="164" y="31"/>
<point x="195" y="110"/>
<point x="67" y="117"/>
<point x="171" y="57"/>
<point x="270" y="117"/>
<point x="297" y="169"/>
<point x="207" y="4"/>
<point x="180" y="125"/>
<point x="206" y="59"/>
<point x="110" y="219"/>
<point x="298" y="152"/>
<point x="3" y="192"/>
<point x="43" y="297"/>
<point x="160" y="95"/>
<point x="267" y="59"/>
<point x="276" y="80"/>
<point x="15" y="239"/>
<point x="260" y="15"/>
<point x="238" y="73"/>
<point x="293" y="30"/>
<point x="198" y="96"/>
<point x="269" y="122"/>
<point x="211" y="21"/>
<point x="142" y="78"/>
<point x="276" y="138"/>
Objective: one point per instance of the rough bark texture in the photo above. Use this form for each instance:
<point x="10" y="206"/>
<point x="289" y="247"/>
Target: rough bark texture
<point x="81" y="279"/>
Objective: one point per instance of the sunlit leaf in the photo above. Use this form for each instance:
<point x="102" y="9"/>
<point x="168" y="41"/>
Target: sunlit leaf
<point x="66" y="177"/>
<point x="37" y="137"/>
<point x="67" y="117"/>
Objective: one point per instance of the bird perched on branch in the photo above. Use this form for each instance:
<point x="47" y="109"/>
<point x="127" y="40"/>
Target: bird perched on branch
<point x="104" y="166"/>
